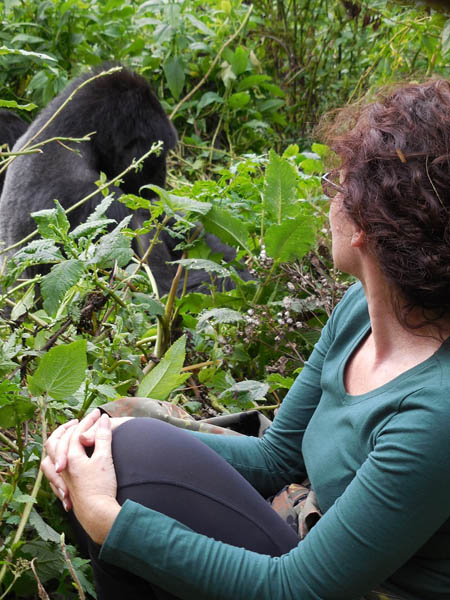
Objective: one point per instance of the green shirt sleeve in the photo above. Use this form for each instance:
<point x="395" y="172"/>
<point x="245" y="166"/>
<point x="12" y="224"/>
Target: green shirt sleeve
<point x="384" y="516"/>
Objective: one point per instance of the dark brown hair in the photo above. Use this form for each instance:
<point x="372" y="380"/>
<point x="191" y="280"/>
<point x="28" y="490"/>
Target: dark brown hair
<point x="395" y="153"/>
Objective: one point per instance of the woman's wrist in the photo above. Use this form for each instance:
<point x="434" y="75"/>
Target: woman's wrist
<point x="97" y="516"/>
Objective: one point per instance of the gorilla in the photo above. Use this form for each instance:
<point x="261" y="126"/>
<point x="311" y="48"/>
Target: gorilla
<point x="127" y="118"/>
<point x="11" y="128"/>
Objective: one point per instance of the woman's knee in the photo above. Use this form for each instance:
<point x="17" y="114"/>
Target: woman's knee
<point x="170" y="470"/>
<point x="147" y="446"/>
<point x="148" y="450"/>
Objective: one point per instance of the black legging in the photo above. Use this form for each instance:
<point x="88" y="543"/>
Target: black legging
<point x="169" y="470"/>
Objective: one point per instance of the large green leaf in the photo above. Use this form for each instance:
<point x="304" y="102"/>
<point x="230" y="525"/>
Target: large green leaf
<point x="16" y="105"/>
<point x="276" y="381"/>
<point x="14" y="408"/>
<point x="24" y="304"/>
<point x="60" y="279"/>
<point x="257" y="390"/>
<point x="90" y="227"/>
<point x="38" y="251"/>
<point x="113" y="247"/>
<point x="445" y="37"/>
<point x="227" y="227"/>
<point x="208" y="98"/>
<point x="166" y="376"/>
<point x="60" y="372"/>
<point x="153" y="306"/>
<point x="203" y="264"/>
<point x="49" y="561"/>
<point x="320" y="149"/>
<point x="311" y="166"/>
<point x="219" y="315"/>
<point x="44" y="530"/>
<point x="239" y="60"/>
<point x="174" y="72"/>
<point x="239" y="100"/>
<point x="200" y="25"/>
<point x="291" y="240"/>
<point x="173" y="203"/>
<point x="252" y="81"/>
<point x="52" y="222"/>
<point x="280" y="188"/>
<point x="100" y="210"/>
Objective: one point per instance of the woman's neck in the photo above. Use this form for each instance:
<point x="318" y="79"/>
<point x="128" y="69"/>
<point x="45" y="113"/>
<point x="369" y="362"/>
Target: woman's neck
<point x="390" y="337"/>
<point x="389" y="349"/>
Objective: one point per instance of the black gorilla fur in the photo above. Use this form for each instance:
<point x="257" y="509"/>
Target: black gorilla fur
<point x="127" y="118"/>
<point x="11" y="128"/>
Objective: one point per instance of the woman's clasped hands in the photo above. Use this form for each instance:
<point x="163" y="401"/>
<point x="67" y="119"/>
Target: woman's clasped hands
<point x="86" y="483"/>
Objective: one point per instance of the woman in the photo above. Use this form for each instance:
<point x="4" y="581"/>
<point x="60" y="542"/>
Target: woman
<point x="367" y="420"/>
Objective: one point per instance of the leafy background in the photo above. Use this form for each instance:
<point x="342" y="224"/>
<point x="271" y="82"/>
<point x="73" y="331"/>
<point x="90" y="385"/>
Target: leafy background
<point x="244" y="85"/>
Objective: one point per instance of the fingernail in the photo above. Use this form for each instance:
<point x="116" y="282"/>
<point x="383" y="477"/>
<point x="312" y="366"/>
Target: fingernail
<point x="62" y="494"/>
<point x="66" y="506"/>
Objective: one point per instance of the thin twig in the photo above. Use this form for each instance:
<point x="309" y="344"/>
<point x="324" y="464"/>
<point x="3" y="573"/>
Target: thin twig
<point x="29" y="505"/>
<point x="9" y="443"/>
<point x="16" y="576"/>
<point x="207" y="363"/>
<point x="23" y="520"/>
<point x="64" y="104"/>
<point x="80" y="590"/>
<point x="41" y="590"/>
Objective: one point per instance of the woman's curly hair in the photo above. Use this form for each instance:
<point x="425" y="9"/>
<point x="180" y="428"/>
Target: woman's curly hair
<point x="395" y="154"/>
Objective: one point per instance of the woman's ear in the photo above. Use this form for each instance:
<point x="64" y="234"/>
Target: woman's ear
<point x="358" y="238"/>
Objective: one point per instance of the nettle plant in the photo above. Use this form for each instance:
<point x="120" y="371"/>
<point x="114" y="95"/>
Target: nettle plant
<point x="93" y="328"/>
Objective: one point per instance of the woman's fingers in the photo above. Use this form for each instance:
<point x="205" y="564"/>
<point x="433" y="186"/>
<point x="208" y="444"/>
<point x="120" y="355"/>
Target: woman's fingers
<point x="87" y="438"/>
<point x="64" y="441"/>
<point x="65" y="498"/>
<point x="57" y="483"/>
<point x="103" y="436"/>
<point x="95" y="475"/>
<point x="52" y="442"/>
<point x="57" y="449"/>
<point x="86" y="427"/>
<point x="62" y="446"/>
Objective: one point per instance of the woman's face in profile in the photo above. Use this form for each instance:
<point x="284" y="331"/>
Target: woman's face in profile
<point x="341" y="233"/>
<point x="342" y="230"/>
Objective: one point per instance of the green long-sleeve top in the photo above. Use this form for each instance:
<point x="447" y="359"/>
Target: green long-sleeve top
<point x="379" y="463"/>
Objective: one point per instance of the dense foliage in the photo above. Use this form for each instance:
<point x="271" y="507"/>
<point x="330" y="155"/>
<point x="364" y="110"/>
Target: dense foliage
<point x="234" y="76"/>
<point x="237" y="80"/>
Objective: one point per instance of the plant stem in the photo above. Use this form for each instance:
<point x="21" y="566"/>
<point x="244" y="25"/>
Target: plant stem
<point x="273" y="407"/>
<point x="110" y="292"/>
<point x="207" y="363"/>
<point x="259" y="291"/>
<point x="23" y="520"/>
<point x="163" y="334"/>
<point x="5" y="593"/>
<point x="72" y="571"/>
<point x="37" y="484"/>
<point x="8" y="442"/>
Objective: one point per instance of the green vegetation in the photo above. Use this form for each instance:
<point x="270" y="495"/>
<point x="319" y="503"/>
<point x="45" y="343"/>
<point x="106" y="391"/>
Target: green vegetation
<point x="244" y="85"/>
